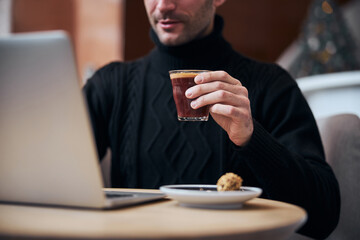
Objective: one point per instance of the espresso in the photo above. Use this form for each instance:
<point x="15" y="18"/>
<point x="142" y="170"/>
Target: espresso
<point x="180" y="83"/>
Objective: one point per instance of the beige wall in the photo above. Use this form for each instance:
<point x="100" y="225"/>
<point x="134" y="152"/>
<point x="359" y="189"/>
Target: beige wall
<point x="99" y="33"/>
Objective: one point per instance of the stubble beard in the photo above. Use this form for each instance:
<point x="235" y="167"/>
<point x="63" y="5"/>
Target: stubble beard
<point x="192" y="28"/>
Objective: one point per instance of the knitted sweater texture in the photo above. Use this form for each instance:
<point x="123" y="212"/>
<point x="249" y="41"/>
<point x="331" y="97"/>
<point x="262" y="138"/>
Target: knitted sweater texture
<point x="133" y="113"/>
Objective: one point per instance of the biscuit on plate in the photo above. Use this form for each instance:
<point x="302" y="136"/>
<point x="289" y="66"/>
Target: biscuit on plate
<point x="229" y="182"/>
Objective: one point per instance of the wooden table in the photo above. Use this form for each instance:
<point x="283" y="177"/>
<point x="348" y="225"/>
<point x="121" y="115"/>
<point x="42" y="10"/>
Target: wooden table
<point x="165" y="219"/>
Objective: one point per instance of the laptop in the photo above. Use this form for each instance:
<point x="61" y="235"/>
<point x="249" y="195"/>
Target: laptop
<point x="47" y="149"/>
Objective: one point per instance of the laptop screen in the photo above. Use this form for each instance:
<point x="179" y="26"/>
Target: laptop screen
<point x="46" y="143"/>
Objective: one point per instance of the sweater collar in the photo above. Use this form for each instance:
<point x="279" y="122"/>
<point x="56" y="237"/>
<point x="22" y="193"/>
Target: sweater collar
<point x="204" y="53"/>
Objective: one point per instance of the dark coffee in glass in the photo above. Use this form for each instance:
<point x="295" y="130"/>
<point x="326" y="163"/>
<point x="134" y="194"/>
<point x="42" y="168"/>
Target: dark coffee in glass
<point x="182" y="80"/>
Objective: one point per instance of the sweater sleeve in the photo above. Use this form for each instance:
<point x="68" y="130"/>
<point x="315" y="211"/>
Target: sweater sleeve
<point x="286" y="156"/>
<point x="98" y="92"/>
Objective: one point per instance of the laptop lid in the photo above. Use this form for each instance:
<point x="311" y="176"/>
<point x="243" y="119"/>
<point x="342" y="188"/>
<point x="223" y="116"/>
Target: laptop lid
<point x="47" y="148"/>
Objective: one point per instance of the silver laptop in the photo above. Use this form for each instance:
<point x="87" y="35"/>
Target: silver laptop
<point x="47" y="150"/>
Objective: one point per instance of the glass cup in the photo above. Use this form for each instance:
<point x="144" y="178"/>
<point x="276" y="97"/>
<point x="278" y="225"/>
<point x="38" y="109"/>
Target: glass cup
<point x="182" y="80"/>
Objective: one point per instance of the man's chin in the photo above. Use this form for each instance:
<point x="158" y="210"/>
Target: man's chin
<point x="171" y="40"/>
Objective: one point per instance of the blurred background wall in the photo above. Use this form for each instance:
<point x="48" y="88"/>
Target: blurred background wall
<point x="108" y="30"/>
<point x="95" y="26"/>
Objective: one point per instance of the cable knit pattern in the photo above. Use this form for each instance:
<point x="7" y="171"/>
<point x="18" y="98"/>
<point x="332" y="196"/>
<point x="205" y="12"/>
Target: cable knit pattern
<point x="133" y="113"/>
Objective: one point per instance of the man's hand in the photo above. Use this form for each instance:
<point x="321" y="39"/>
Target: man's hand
<point x="229" y="103"/>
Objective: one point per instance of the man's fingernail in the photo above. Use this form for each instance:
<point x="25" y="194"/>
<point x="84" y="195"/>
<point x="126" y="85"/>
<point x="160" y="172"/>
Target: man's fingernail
<point x="193" y="104"/>
<point x="188" y="93"/>
<point x="198" y="79"/>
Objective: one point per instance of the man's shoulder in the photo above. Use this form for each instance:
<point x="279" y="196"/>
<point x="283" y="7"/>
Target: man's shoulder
<point x="269" y="71"/>
<point x="259" y="75"/>
<point x="262" y="67"/>
<point x="116" y="66"/>
<point x="116" y="71"/>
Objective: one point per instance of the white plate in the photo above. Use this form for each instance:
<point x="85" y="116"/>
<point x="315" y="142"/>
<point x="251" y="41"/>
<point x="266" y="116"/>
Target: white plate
<point x="206" y="196"/>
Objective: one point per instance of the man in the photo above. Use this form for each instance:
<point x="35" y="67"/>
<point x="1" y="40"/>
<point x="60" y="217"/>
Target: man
<point x="260" y="128"/>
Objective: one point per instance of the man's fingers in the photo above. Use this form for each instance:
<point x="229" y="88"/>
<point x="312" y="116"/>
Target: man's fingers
<point x="216" y="86"/>
<point x="220" y="96"/>
<point x="216" y="76"/>
<point x="229" y="111"/>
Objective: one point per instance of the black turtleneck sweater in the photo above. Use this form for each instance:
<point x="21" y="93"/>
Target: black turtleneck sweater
<point x="133" y="113"/>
